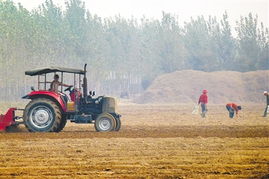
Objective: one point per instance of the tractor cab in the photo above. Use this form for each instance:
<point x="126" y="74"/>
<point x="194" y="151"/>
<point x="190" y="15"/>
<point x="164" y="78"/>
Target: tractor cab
<point x="44" y="80"/>
<point x="49" y="110"/>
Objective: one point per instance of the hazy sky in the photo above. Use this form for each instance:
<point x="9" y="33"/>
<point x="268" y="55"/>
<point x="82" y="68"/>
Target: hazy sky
<point x="184" y="9"/>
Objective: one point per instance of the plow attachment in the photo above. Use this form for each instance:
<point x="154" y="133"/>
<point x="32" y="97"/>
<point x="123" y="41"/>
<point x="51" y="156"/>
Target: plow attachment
<point x="8" y="119"/>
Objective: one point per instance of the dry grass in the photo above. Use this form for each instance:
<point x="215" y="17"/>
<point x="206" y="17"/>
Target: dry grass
<point x="156" y="141"/>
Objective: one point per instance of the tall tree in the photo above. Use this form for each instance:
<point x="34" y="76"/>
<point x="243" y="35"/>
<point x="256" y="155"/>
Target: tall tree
<point x="248" y="44"/>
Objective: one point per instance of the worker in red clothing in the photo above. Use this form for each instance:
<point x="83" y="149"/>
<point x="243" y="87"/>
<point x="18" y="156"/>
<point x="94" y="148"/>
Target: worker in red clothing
<point x="231" y="107"/>
<point x="203" y="100"/>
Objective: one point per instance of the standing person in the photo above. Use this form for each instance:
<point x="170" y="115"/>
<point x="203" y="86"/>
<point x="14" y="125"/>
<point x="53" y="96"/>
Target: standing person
<point x="267" y="103"/>
<point x="203" y="100"/>
<point x="231" y="107"/>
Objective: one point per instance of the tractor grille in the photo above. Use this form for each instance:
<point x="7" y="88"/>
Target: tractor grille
<point x="109" y="105"/>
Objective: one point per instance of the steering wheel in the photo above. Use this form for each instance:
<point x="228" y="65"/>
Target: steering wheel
<point x="68" y="89"/>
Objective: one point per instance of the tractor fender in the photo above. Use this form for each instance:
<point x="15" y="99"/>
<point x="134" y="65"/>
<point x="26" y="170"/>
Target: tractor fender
<point x="47" y="94"/>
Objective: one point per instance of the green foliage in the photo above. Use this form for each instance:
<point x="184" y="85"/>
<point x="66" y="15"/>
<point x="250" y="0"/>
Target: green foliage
<point x="252" y="44"/>
<point x="128" y="51"/>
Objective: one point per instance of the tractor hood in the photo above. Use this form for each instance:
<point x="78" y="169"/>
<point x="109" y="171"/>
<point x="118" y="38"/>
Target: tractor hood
<point x="45" y="70"/>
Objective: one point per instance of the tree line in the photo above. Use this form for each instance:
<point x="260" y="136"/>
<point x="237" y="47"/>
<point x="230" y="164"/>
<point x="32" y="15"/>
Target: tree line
<point x="123" y="55"/>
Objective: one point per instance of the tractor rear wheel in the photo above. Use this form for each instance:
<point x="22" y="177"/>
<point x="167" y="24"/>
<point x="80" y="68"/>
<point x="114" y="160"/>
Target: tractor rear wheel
<point x="42" y="115"/>
<point x="105" y="122"/>
<point x="62" y="124"/>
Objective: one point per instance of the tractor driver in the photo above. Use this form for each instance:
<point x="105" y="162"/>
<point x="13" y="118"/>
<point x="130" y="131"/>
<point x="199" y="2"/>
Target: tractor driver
<point x="55" y="84"/>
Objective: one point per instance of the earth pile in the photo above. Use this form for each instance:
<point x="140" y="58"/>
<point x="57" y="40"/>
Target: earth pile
<point x="223" y="87"/>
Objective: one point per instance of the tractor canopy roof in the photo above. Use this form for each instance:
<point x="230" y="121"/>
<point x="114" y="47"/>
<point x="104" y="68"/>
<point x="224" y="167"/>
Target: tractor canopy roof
<point x="45" y="70"/>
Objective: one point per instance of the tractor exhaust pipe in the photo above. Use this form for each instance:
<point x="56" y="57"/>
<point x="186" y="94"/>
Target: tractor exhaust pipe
<point x="85" y="85"/>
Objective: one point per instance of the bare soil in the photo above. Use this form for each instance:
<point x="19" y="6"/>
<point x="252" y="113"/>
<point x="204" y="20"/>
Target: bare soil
<point x="156" y="141"/>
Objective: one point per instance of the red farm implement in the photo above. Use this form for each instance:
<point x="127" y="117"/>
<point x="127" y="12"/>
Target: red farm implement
<point x="9" y="119"/>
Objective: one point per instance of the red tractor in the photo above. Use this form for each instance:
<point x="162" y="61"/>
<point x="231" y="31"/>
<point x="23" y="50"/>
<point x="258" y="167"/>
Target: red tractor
<point x="48" y="111"/>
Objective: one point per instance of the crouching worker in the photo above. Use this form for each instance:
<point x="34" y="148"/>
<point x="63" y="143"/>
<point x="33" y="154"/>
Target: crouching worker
<point x="232" y="107"/>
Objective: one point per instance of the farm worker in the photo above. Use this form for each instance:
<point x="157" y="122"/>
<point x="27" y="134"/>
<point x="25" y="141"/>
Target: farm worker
<point x="55" y="84"/>
<point x="203" y="101"/>
<point x="231" y="107"/>
<point x="267" y="103"/>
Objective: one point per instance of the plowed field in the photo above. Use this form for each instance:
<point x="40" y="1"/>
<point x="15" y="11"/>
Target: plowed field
<point x="156" y="141"/>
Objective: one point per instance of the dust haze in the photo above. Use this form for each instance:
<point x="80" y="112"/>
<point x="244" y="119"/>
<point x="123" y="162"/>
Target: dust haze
<point x="154" y="58"/>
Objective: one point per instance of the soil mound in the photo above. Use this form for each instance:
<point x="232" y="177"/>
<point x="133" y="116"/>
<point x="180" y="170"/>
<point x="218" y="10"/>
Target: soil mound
<point x="223" y="86"/>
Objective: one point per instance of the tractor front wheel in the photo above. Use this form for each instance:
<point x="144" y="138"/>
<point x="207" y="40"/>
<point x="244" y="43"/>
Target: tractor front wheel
<point x="118" y="124"/>
<point x="42" y="115"/>
<point x="105" y="122"/>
